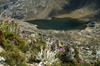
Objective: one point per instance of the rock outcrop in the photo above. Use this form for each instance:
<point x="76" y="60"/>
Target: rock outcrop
<point x="42" y="9"/>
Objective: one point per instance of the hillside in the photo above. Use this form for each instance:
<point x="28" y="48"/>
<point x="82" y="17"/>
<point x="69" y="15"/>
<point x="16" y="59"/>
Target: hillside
<point x="41" y="9"/>
<point x="22" y="44"/>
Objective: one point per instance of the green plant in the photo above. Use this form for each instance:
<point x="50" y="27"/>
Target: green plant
<point x="59" y="54"/>
<point x="35" y="50"/>
<point x="47" y="56"/>
<point x="65" y="58"/>
<point x="33" y="59"/>
<point x="9" y="24"/>
<point x="3" y="53"/>
<point x="15" y="58"/>
<point x="13" y="45"/>
<point x="8" y="45"/>
<point x="20" y="43"/>
<point x="71" y="63"/>
<point x="97" y="63"/>
<point x="57" y="63"/>
<point x="1" y="38"/>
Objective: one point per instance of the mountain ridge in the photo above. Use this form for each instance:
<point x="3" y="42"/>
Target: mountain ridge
<point x="42" y="9"/>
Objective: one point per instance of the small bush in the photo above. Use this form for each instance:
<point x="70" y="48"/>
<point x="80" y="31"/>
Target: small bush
<point x="97" y="63"/>
<point x="15" y="58"/>
<point x="20" y="43"/>
<point x="1" y="37"/>
<point x="47" y="56"/>
<point x="65" y="58"/>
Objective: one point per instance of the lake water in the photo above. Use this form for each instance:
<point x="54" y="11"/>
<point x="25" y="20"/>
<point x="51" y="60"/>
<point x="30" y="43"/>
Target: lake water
<point x="58" y="24"/>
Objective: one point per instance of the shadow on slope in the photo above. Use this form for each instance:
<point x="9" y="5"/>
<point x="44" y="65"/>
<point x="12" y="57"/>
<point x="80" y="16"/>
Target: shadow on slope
<point x="84" y="6"/>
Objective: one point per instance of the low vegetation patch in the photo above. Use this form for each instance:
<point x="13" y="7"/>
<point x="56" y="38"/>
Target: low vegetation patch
<point x="21" y="49"/>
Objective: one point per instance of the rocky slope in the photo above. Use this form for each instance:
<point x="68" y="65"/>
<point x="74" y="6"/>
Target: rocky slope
<point x="29" y="8"/>
<point x="86" y="41"/>
<point x="41" y="9"/>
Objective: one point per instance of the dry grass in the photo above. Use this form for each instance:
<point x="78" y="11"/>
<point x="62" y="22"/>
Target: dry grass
<point x="88" y="30"/>
<point x="80" y="13"/>
<point x="78" y="37"/>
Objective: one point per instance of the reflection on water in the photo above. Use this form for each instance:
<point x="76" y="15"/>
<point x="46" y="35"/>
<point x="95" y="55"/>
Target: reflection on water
<point x="58" y="24"/>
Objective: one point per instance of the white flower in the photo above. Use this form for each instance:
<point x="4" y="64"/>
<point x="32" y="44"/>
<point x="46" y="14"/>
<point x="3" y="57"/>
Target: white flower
<point x="47" y="56"/>
<point x="1" y="59"/>
<point x="41" y="64"/>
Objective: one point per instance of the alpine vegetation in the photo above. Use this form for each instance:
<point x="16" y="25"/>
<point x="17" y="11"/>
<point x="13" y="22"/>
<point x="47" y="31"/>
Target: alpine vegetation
<point x="47" y="56"/>
<point x="23" y="44"/>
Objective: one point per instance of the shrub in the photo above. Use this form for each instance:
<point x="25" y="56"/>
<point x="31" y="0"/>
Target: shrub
<point x="14" y="57"/>
<point x="12" y="43"/>
<point x="97" y="63"/>
<point x="20" y="43"/>
<point x="36" y="48"/>
<point x="65" y="56"/>
<point x="1" y="37"/>
<point x="8" y="45"/>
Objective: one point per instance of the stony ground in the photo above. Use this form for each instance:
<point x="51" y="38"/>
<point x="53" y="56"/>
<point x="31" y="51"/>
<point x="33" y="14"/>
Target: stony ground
<point x="86" y="41"/>
<point x="41" y="9"/>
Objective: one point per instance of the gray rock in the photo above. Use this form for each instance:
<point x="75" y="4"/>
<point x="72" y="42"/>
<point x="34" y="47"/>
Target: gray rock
<point x="41" y="64"/>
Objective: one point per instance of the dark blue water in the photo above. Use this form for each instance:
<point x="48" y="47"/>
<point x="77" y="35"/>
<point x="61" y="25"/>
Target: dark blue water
<point x="58" y="24"/>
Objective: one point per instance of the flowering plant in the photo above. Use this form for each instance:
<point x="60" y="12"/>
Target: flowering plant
<point x="8" y="24"/>
<point x="47" y="56"/>
<point x="81" y="62"/>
